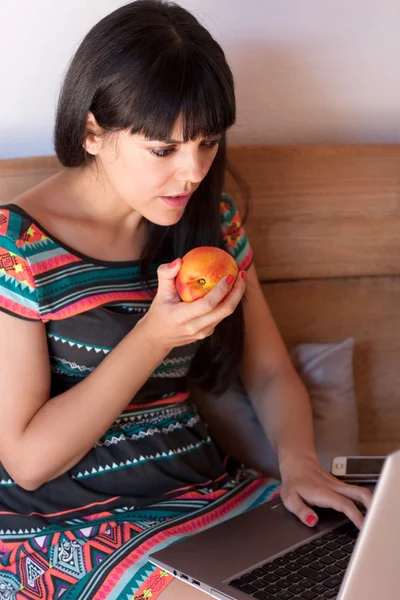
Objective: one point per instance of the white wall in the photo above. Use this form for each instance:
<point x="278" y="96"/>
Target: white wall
<point x="305" y="70"/>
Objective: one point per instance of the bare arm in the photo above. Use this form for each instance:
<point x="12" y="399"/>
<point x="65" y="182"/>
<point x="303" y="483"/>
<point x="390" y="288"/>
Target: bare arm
<point x="277" y="393"/>
<point x="283" y="407"/>
<point x="44" y="438"/>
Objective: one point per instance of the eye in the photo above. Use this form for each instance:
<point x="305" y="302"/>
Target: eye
<point x="162" y="153"/>
<point x="211" y="144"/>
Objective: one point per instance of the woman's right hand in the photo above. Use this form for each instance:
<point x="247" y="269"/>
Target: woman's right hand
<point x="171" y="322"/>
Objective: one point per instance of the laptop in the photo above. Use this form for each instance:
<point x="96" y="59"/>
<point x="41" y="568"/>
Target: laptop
<point x="268" y="554"/>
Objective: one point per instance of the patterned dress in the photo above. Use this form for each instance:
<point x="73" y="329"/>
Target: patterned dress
<point x="154" y="477"/>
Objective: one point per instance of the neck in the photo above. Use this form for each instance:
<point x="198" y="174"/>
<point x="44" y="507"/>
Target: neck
<point x="95" y="200"/>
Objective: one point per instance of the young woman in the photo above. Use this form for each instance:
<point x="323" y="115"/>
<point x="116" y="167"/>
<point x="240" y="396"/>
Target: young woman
<point x="103" y="455"/>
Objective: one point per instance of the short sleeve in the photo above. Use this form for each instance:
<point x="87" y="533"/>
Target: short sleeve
<point x="17" y="285"/>
<point x="233" y="233"/>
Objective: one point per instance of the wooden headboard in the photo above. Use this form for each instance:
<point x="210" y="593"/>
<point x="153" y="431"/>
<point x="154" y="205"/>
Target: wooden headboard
<point x="324" y="224"/>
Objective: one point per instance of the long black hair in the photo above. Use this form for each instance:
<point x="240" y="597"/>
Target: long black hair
<point x="141" y="68"/>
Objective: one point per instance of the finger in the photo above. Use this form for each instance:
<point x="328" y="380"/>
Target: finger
<point x="189" y="311"/>
<point x="214" y="297"/>
<point x="210" y="310"/>
<point x="166" y="274"/>
<point x="344" y="505"/>
<point x="213" y="318"/>
<point x="298" y="507"/>
<point x="205" y="333"/>
<point x="356" y="493"/>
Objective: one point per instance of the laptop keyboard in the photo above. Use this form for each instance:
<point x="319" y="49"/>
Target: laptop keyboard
<point x="313" y="571"/>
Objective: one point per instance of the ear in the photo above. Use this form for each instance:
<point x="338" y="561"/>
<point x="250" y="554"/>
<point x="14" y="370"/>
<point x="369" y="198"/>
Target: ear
<point x="93" y="135"/>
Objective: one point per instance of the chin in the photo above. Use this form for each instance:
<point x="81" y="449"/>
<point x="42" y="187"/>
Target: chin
<point x="167" y="219"/>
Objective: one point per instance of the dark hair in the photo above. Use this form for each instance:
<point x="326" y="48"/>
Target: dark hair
<point x="141" y="68"/>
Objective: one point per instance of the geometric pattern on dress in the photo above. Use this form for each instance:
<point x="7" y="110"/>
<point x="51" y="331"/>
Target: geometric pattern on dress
<point x="154" y="584"/>
<point x="42" y="543"/>
<point x="141" y="460"/>
<point x="79" y="345"/>
<point x="32" y="568"/>
<point x="233" y="233"/>
<point x="111" y="536"/>
<point x="15" y="269"/>
<point x="33" y="573"/>
<point x="57" y="586"/>
<point x="66" y="367"/>
<point x="67" y="557"/>
<point x="33" y="235"/>
<point x="175" y="407"/>
<point x="5" y="482"/>
<point x="171" y="367"/>
<point x="8" y="587"/>
<point x="168" y="367"/>
<point x="114" y="437"/>
<point x="39" y="262"/>
<point x="96" y="556"/>
<point x="120" y="547"/>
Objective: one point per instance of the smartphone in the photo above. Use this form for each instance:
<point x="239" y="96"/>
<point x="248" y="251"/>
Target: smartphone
<point x="357" y="468"/>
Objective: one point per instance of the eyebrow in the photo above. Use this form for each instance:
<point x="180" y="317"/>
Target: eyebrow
<point x="172" y="141"/>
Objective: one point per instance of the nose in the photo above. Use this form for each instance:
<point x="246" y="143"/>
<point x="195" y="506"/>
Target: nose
<point x="192" y="167"/>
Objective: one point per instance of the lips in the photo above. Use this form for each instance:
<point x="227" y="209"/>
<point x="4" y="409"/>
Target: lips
<point x="177" y="201"/>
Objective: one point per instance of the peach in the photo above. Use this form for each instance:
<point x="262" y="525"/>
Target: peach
<point x="201" y="270"/>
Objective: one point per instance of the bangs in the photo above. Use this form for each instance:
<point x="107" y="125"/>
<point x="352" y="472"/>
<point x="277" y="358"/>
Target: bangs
<point x="187" y="89"/>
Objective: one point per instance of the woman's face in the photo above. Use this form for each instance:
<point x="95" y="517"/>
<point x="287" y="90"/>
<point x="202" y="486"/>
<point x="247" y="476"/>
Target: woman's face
<point x="148" y="175"/>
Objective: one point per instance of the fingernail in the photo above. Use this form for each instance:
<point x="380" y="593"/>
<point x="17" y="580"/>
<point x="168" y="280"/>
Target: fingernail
<point x="229" y="279"/>
<point x="243" y="275"/>
<point x="173" y="264"/>
<point x="311" y="520"/>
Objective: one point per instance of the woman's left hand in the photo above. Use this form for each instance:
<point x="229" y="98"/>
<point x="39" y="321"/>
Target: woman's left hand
<point x="304" y="483"/>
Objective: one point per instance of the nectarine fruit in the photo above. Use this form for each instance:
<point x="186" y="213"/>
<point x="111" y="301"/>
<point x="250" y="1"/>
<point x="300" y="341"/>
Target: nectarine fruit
<point x="201" y="270"/>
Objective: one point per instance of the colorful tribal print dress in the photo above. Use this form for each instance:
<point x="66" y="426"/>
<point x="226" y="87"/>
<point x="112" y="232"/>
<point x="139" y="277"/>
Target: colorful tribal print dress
<point x="154" y="477"/>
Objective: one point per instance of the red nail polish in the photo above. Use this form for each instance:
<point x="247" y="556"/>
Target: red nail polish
<point x="229" y="279"/>
<point x="311" y="520"/>
<point x="173" y="264"/>
<point x="243" y="275"/>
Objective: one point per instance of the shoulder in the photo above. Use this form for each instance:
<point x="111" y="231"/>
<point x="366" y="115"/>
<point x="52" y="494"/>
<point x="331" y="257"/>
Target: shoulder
<point x="16" y="227"/>
<point x="227" y="208"/>
<point x="233" y="234"/>
<point x="17" y="283"/>
<point x="18" y="232"/>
